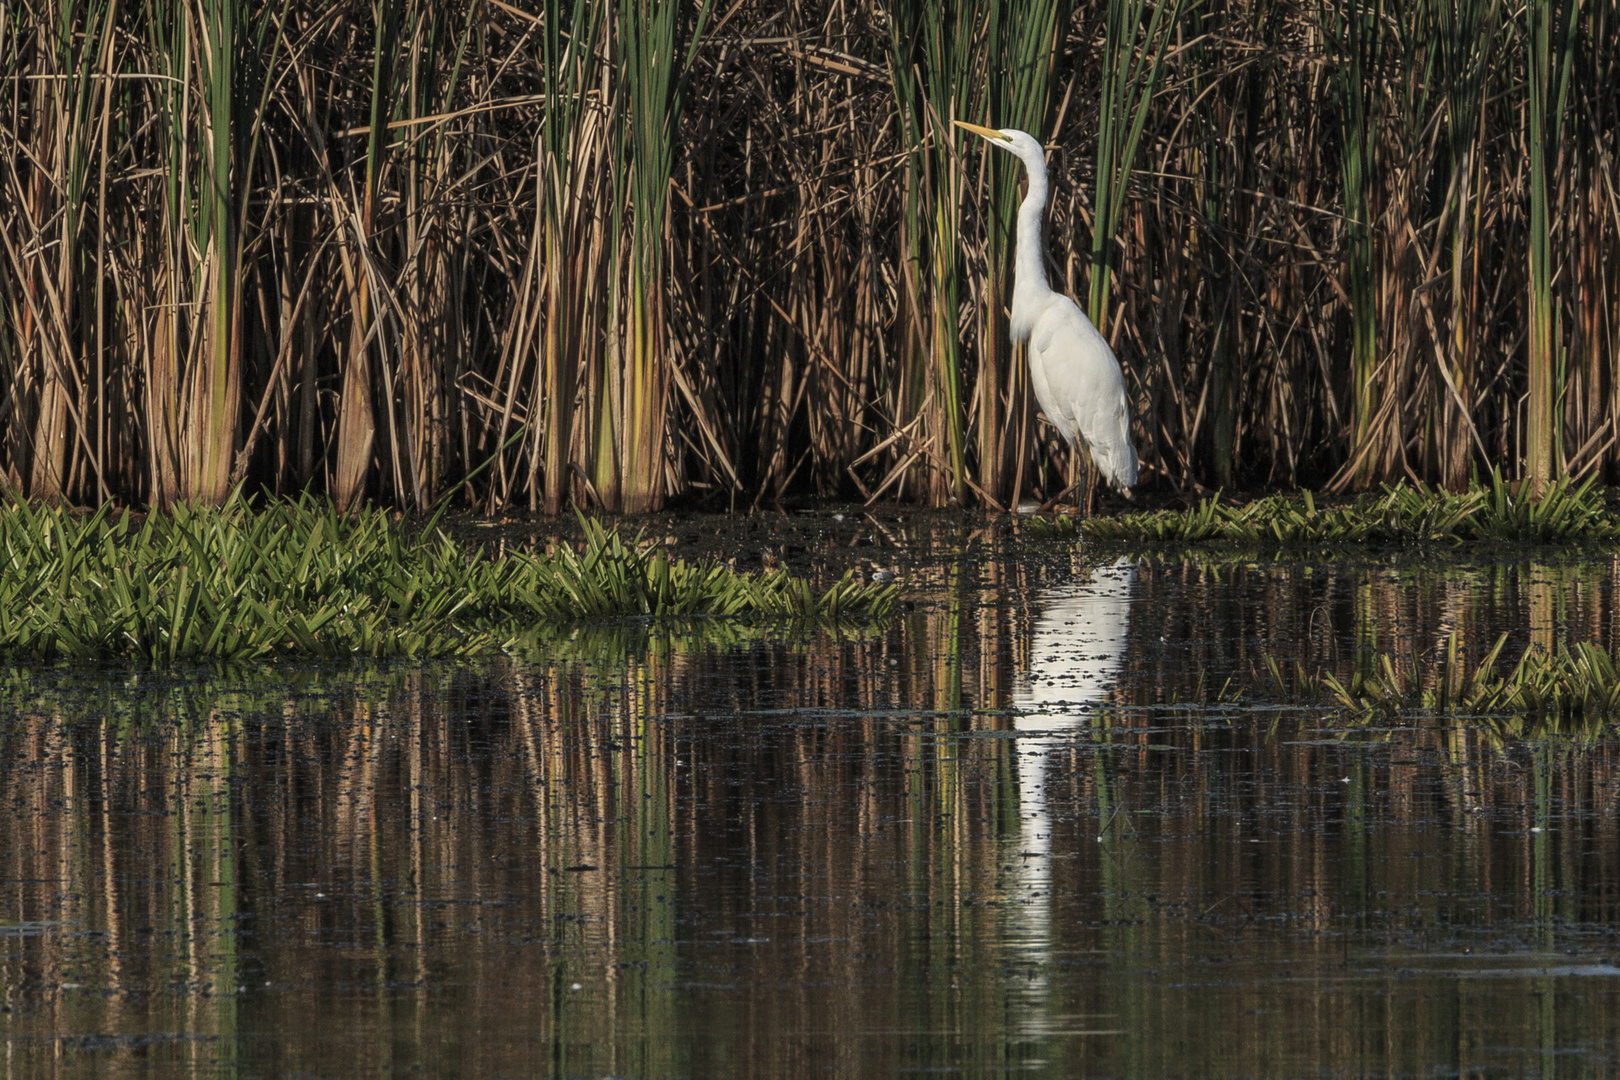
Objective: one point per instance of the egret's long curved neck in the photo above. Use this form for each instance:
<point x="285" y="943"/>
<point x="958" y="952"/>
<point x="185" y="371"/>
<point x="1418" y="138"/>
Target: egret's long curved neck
<point x="1029" y="269"/>
<point x="1030" y="289"/>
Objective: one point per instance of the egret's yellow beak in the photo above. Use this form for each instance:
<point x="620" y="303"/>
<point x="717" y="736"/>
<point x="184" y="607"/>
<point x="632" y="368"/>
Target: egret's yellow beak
<point x="989" y="133"/>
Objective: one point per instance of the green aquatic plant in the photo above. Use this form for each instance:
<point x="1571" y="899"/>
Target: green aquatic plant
<point x="1402" y="514"/>
<point x="1566" y="511"/>
<point x="301" y="579"/>
<point x="1567" y="685"/>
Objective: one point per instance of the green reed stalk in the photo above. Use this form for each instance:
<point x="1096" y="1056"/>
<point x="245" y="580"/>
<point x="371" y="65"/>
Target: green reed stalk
<point x="357" y="418"/>
<point x="211" y="117"/>
<point x="1595" y="235"/>
<point x="1133" y="65"/>
<point x="1586" y="412"/>
<point x="49" y="436"/>
<point x="170" y="352"/>
<point x="1465" y="33"/>
<point x="1551" y="38"/>
<point x="165" y="344"/>
<point x="571" y="150"/>
<point x="1404" y="261"/>
<point x="938" y="72"/>
<point x="55" y="134"/>
<point x="913" y="375"/>
<point x="1223" y="124"/>
<point x="657" y="40"/>
<point x="431" y="289"/>
<point x="217" y="387"/>
<point x="1022" y="59"/>
<point x="409" y="390"/>
<point x="1354" y="31"/>
<point x="945" y="346"/>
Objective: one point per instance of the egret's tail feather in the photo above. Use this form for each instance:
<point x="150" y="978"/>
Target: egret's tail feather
<point x="1118" y="466"/>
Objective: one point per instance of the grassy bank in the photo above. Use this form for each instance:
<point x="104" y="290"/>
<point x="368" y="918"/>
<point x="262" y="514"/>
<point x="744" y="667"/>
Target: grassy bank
<point x="301" y="579"/>
<point x="1404" y="514"/>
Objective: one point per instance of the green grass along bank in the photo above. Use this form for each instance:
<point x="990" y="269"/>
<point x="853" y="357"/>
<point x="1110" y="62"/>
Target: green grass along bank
<point x="299" y="579"/>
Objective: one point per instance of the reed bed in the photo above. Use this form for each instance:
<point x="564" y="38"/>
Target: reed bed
<point x="299" y="578"/>
<point x="577" y="252"/>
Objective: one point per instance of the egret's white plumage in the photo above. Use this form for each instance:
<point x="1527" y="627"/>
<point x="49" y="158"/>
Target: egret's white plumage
<point x="1076" y="378"/>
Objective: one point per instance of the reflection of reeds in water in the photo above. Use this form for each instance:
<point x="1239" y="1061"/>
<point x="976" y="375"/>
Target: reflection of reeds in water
<point x="372" y="817"/>
<point x="1526" y="644"/>
<point x="426" y="860"/>
<point x="543" y="808"/>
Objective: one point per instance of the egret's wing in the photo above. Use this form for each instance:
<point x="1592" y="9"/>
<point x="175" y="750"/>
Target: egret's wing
<point x="1049" y="403"/>
<point x="1085" y="388"/>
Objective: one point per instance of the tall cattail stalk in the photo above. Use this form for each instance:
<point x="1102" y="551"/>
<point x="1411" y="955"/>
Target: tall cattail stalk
<point x="357" y="417"/>
<point x="210" y="118"/>
<point x="48" y="246"/>
<point x="1223" y="123"/>
<point x="1550" y="47"/>
<point x="1594" y="220"/>
<point x="571" y="156"/>
<point x="1465" y="36"/>
<point x="933" y="46"/>
<point x="1354" y="31"/>
<point x="656" y="40"/>
<point x="431" y="286"/>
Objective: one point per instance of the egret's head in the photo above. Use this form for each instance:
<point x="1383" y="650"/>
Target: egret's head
<point x="1011" y="140"/>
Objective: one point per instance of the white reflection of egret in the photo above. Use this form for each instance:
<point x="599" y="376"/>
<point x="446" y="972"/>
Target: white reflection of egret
<point x="1077" y="646"/>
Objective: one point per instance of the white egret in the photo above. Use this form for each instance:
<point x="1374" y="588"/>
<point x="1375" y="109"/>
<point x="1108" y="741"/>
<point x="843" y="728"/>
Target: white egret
<point x="1076" y="378"/>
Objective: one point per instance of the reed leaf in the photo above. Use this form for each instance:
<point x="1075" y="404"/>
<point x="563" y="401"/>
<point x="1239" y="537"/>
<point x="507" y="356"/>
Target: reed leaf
<point x="1464" y="32"/>
<point x="933" y="45"/>
<point x="1023" y="42"/>
<point x="656" y="40"/>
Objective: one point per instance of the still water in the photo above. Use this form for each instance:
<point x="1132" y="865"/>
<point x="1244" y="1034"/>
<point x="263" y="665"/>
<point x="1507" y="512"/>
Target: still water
<point x="1049" y="822"/>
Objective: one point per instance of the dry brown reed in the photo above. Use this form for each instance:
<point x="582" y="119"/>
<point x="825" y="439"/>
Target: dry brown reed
<point x="368" y="249"/>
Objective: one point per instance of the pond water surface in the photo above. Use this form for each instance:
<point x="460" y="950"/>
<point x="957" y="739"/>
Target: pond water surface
<point x="1055" y="819"/>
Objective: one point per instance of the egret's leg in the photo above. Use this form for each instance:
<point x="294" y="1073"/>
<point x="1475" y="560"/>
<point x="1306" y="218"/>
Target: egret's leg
<point x="1082" y="476"/>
